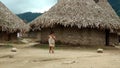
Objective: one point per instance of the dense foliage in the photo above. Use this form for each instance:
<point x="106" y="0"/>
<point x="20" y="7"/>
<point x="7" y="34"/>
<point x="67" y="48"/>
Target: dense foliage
<point x="29" y="16"/>
<point x="116" y="5"/>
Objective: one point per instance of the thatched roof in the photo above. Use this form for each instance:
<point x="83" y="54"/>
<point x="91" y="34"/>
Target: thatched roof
<point x="107" y="7"/>
<point x="33" y="28"/>
<point x="80" y="13"/>
<point x="9" y="22"/>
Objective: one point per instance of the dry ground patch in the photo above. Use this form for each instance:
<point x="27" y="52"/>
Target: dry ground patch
<point x="63" y="58"/>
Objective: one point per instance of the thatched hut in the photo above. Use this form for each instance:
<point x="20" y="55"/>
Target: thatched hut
<point x="83" y="22"/>
<point x="10" y="24"/>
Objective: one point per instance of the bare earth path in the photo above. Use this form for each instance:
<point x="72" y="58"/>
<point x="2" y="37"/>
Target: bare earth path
<point x="40" y="58"/>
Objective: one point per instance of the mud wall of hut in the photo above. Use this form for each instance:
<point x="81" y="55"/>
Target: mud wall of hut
<point x="85" y="36"/>
<point x="12" y="36"/>
<point x="35" y="35"/>
<point x="114" y="39"/>
<point x="4" y="36"/>
<point x="76" y="36"/>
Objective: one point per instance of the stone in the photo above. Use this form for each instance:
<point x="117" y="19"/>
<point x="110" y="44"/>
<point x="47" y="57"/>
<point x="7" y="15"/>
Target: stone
<point x="14" y="50"/>
<point x="99" y="50"/>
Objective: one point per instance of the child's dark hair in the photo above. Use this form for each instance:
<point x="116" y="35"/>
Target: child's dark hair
<point x="51" y="32"/>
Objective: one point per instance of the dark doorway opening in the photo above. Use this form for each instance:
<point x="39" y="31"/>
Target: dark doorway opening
<point x="107" y="35"/>
<point x="96" y="1"/>
<point x="119" y="38"/>
<point x="9" y="37"/>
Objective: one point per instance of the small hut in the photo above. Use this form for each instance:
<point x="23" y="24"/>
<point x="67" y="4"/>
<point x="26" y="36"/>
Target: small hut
<point x="83" y="22"/>
<point x="10" y="24"/>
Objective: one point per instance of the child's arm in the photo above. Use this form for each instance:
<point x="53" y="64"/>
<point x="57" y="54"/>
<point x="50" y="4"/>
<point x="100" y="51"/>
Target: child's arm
<point x="54" y="37"/>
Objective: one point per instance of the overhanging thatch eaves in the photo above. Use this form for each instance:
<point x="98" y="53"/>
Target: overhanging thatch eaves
<point x="9" y="22"/>
<point x="80" y="13"/>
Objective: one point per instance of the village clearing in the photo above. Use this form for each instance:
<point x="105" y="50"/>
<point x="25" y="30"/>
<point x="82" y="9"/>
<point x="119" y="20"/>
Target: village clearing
<point x="72" y="57"/>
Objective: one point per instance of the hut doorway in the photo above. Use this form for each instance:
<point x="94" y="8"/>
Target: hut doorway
<point x="96" y="1"/>
<point x="8" y="37"/>
<point x="119" y="38"/>
<point x="107" y="37"/>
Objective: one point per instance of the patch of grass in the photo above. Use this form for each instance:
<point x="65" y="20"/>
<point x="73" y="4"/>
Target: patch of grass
<point x="15" y="42"/>
<point x="62" y="46"/>
<point x="43" y="46"/>
<point x="6" y="46"/>
<point x="110" y="48"/>
<point x="46" y="46"/>
<point x="9" y="46"/>
<point x="73" y="47"/>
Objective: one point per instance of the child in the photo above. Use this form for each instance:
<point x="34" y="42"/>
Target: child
<point x="51" y="41"/>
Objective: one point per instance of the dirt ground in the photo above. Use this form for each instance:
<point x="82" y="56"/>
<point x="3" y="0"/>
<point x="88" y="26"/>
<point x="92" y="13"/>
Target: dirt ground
<point x="62" y="58"/>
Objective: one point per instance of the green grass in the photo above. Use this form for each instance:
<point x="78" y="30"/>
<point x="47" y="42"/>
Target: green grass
<point x="9" y="46"/>
<point x="6" y="46"/>
<point x="46" y="46"/>
<point x="15" y="42"/>
<point x="65" y="47"/>
<point x="72" y="47"/>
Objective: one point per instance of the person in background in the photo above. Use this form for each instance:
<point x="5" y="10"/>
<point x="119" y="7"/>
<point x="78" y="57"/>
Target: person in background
<point x="51" y="41"/>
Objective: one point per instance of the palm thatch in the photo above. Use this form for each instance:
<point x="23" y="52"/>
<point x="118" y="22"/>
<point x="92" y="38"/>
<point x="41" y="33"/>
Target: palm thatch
<point x="107" y="7"/>
<point x="80" y="13"/>
<point x="33" y="28"/>
<point x="9" y="22"/>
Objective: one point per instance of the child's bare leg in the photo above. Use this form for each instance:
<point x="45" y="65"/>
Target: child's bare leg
<point x="50" y="48"/>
